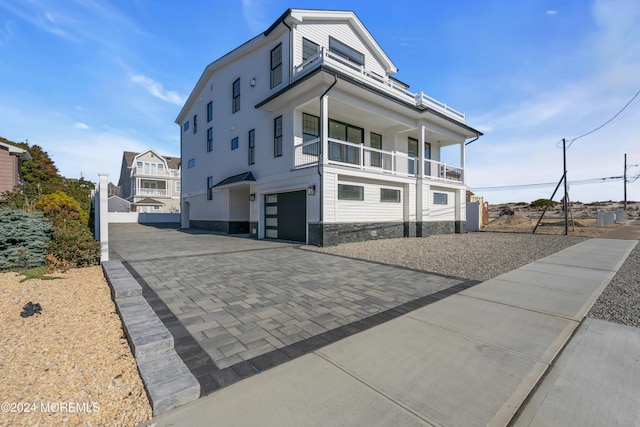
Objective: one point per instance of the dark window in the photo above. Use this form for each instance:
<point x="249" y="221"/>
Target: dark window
<point x="309" y="49"/>
<point x="191" y="163"/>
<point x="252" y="146"/>
<point x="186" y="126"/>
<point x="412" y="150"/>
<point x="195" y="123"/>
<point x="277" y="136"/>
<point x="389" y="195"/>
<point x="209" y="188"/>
<point x="209" y="139"/>
<point x="376" y="142"/>
<point x="350" y="192"/>
<point x="346" y="51"/>
<point x="427" y="155"/>
<point x="276" y="66"/>
<point x="236" y="96"/>
<point x="234" y="143"/>
<point x="209" y="112"/>
<point x="345" y="132"/>
<point x="310" y="131"/>
<point x="440" y="198"/>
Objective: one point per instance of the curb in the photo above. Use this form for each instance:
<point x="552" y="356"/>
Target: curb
<point x="166" y="378"/>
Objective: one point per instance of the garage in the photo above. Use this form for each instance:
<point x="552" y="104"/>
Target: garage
<point x="285" y="216"/>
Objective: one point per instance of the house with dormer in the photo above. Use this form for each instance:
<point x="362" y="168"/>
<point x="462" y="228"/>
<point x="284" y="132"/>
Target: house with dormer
<point x="150" y="182"/>
<point x="303" y="134"/>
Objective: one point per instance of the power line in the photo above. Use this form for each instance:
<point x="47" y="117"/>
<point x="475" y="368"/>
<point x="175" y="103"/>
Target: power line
<point x="551" y="184"/>
<point x="570" y="142"/>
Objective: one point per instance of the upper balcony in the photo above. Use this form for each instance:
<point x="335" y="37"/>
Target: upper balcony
<point x="384" y="83"/>
<point x="153" y="172"/>
<point x="370" y="159"/>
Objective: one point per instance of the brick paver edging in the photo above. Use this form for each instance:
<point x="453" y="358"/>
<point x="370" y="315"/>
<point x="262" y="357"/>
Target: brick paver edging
<point x="212" y="378"/>
<point x="167" y="380"/>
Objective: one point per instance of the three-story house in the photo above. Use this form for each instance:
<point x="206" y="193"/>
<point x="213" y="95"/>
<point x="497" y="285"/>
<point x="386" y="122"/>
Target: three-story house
<point x="302" y="133"/>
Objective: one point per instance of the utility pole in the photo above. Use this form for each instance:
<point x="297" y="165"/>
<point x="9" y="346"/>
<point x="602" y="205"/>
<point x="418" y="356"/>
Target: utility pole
<point x="625" y="183"/>
<point x="566" y="205"/>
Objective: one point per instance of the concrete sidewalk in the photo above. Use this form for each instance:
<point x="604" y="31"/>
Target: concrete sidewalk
<point x="469" y="359"/>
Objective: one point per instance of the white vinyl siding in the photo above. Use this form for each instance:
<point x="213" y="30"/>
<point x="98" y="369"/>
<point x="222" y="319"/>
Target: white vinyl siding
<point x="440" y="212"/>
<point x="319" y="32"/>
<point x="371" y="208"/>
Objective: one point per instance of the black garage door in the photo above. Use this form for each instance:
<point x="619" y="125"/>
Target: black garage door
<point x="285" y="216"/>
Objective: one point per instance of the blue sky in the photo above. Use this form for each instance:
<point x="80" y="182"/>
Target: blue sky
<point x="89" y="79"/>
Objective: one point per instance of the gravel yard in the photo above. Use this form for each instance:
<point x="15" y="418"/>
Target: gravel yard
<point x="483" y="256"/>
<point x="620" y="301"/>
<point x="477" y="256"/>
<point x="69" y="365"/>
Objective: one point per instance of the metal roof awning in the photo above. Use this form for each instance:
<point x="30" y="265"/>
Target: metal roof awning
<point x="236" y="179"/>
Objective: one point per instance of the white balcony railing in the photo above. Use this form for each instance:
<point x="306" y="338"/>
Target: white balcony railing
<point x="136" y="171"/>
<point x="442" y="171"/>
<point x="373" y="160"/>
<point x="152" y="192"/>
<point x="390" y="86"/>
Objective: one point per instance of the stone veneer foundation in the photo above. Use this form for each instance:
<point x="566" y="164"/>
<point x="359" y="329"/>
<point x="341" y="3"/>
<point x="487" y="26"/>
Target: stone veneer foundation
<point x="336" y="233"/>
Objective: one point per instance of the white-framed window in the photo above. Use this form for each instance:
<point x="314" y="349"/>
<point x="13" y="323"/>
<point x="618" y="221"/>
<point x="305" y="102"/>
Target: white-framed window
<point x="346" y="51"/>
<point x="277" y="136"/>
<point x="389" y="195"/>
<point x="236" y="96"/>
<point x="209" y="140"/>
<point x="440" y="198"/>
<point x="209" y="111"/>
<point x="178" y="187"/>
<point x="252" y="146"/>
<point x="350" y="192"/>
<point x="209" y="188"/>
<point x="309" y="49"/>
<point x="276" y="66"/>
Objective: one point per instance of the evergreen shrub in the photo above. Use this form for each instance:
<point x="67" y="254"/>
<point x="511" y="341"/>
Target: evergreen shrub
<point x="23" y="239"/>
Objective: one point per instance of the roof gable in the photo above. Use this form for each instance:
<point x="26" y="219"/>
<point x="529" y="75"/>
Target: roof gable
<point x="302" y="16"/>
<point x="290" y="18"/>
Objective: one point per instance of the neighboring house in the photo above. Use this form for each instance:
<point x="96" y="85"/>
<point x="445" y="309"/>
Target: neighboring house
<point x="302" y="133"/>
<point x="113" y="190"/>
<point x="150" y="182"/>
<point x="10" y="159"/>
<point x="118" y="204"/>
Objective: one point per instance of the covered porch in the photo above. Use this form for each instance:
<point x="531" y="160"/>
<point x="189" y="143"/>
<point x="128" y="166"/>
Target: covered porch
<point x="375" y="139"/>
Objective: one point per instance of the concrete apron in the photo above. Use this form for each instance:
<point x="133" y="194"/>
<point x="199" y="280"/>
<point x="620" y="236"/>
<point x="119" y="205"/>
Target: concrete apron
<point x="470" y="359"/>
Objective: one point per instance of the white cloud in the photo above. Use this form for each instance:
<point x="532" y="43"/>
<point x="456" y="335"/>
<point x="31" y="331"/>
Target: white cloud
<point x="552" y="12"/>
<point x="80" y="125"/>
<point x="156" y="89"/>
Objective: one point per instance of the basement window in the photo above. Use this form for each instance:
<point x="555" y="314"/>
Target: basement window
<point x="350" y="192"/>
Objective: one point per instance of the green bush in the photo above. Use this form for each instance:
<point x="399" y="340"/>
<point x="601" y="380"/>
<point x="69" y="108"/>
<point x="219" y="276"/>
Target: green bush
<point x="542" y="203"/>
<point x="72" y="245"/>
<point x="23" y="239"/>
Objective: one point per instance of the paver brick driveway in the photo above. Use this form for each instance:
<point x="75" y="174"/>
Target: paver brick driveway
<point x="245" y="305"/>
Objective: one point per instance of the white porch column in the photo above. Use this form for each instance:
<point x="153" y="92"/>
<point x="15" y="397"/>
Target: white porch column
<point x="103" y="215"/>
<point x="462" y="162"/>
<point x="420" y="180"/>
<point x="421" y="142"/>
<point x="324" y="125"/>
